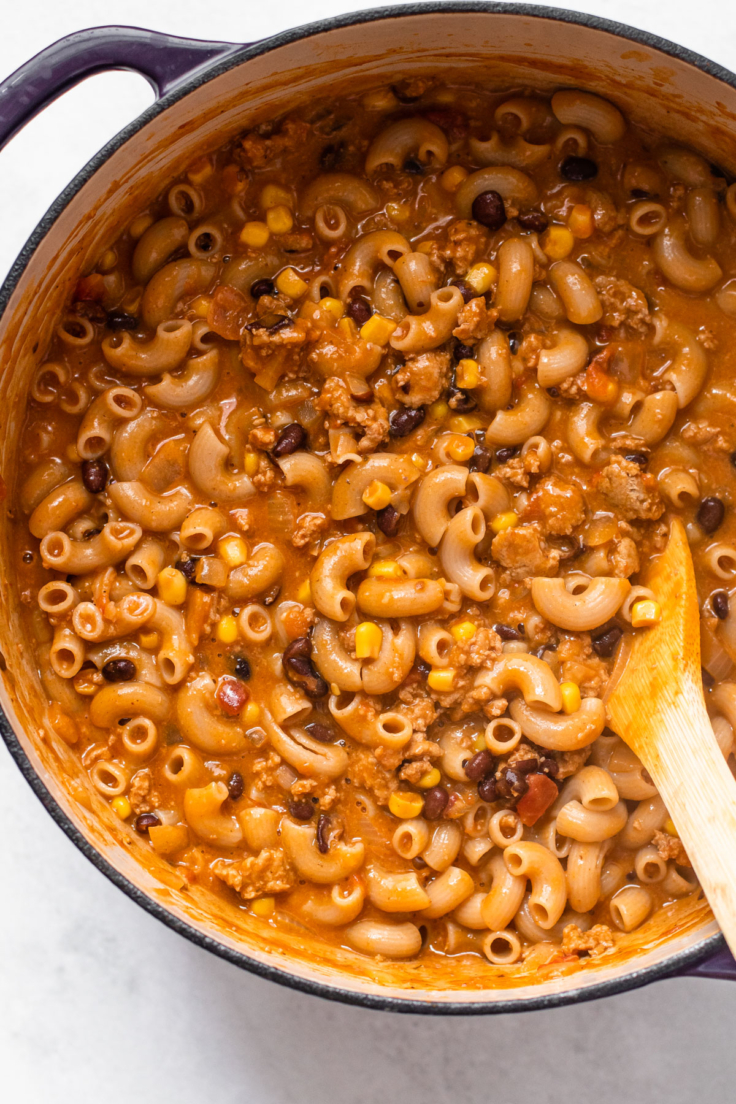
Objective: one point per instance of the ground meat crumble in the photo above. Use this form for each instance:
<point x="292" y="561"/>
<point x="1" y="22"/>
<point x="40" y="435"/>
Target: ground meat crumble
<point x="267" y="872"/>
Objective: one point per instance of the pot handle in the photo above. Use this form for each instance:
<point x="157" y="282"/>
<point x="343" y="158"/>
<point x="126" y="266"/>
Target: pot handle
<point x="164" y="60"/>
<point x="721" y="965"/>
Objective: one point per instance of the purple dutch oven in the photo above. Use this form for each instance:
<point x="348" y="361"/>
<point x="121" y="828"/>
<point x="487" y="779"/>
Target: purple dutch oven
<point x="206" y="92"/>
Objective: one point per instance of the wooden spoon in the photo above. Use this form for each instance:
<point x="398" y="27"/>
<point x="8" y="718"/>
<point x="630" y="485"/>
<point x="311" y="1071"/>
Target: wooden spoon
<point x="657" y="707"/>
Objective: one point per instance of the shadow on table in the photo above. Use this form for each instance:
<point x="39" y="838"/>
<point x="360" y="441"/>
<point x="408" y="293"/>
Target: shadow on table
<point x="664" y="1043"/>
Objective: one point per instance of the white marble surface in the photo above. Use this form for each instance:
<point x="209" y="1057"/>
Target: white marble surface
<point x="98" y="1000"/>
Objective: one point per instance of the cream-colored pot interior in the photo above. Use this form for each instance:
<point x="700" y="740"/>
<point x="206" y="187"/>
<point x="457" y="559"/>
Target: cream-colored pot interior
<point x="505" y="49"/>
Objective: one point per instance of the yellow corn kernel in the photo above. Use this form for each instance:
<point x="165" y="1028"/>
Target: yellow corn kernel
<point x="148" y="638"/>
<point x="557" y="242"/>
<point x="263" y="907"/>
<point x="227" y="629"/>
<point x="376" y="495"/>
<point x="385" y="569"/>
<point x="479" y="742"/>
<point x="430" y="779"/>
<point x="467" y="373"/>
<point x="368" y="640"/>
<point x="481" y="277"/>
<point x="453" y="177"/>
<point x="304" y="593"/>
<point x="335" y="307"/>
<point x="425" y="246"/>
<point x="201" y="170"/>
<point x="273" y="195"/>
<point x="251" y="462"/>
<point x="645" y="613"/>
<point x="464" y="423"/>
<point x="441" y="678"/>
<point x="461" y="447"/>
<point x="439" y="411"/>
<point x="233" y="550"/>
<point x="255" y="234"/>
<point x="398" y="212"/>
<point x="201" y="305"/>
<point x="669" y="827"/>
<point x="122" y="807"/>
<point x="463" y="631"/>
<point x="580" y="221"/>
<point x="570" y="697"/>
<point x="419" y="461"/>
<point x="405" y="804"/>
<point x="290" y="283"/>
<point x="139" y="226"/>
<point x="107" y="261"/>
<point x="251" y="715"/>
<point x="347" y="328"/>
<point x="279" y="220"/>
<point x="377" y="329"/>
<point x="507" y="520"/>
<point x="172" y="586"/>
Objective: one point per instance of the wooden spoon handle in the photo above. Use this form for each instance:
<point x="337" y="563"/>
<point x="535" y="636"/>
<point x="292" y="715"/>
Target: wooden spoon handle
<point x="699" y="791"/>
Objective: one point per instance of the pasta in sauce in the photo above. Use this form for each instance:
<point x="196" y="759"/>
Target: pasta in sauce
<point x="335" y="487"/>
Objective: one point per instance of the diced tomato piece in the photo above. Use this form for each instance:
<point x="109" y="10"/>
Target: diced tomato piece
<point x="537" y="799"/>
<point x="90" y="288"/>
<point x="599" y="386"/>
<point x="226" y="312"/>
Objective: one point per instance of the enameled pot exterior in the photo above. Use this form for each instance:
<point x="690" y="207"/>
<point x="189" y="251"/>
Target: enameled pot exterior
<point x="209" y="91"/>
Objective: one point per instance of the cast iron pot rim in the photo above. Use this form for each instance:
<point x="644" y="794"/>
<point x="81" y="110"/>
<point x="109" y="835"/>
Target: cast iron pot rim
<point x="678" y="961"/>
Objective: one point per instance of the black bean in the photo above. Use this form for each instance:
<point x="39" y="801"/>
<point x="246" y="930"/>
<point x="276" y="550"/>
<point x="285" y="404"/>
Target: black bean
<point x="119" y="670"/>
<point x="533" y="220"/>
<point x="487" y="789"/>
<point x="291" y="438"/>
<point x="467" y="293"/>
<point x="553" y="392"/>
<point x="299" y="669"/>
<point x="411" y="165"/>
<point x="462" y="352"/>
<point x="27" y="557"/>
<point x="301" y="809"/>
<point x="388" y="520"/>
<point x="514" y="342"/>
<point x="188" y="568"/>
<point x="94" y="475"/>
<point x="403" y="422"/>
<point x="146" y="821"/>
<point x="605" y="644"/>
<point x="479" y="765"/>
<point x="263" y="287"/>
<point x="639" y="458"/>
<point x="526" y="766"/>
<point x="359" y="310"/>
<point x="331" y="156"/>
<point x="459" y="400"/>
<point x="271" y="595"/>
<point x="422" y="668"/>
<point x="418" y="863"/>
<point x="719" y="602"/>
<point x="480" y="461"/>
<point x="435" y="802"/>
<point x="119" y="320"/>
<point x="235" y="786"/>
<point x="504" y="454"/>
<point x="710" y="514"/>
<point x="88" y="534"/>
<point x="639" y="193"/>
<point x="323" y="840"/>
<point x="242" y="668"/>
<point x="489" y="210"/>
<point x="733" y="459"/>
<point x="578" y="168"/>
<point x="319" y="731"/>
<point x="550" y="767"/>
<point x="506" y="632"/>
<point x="516" y="781"/>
